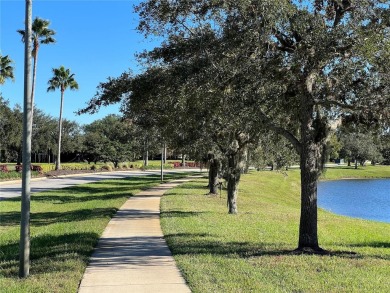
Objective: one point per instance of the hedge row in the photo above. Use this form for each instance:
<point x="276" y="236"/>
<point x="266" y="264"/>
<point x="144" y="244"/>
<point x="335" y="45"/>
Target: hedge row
<point x="187" y="164"/>
<point x="19" y="168"/>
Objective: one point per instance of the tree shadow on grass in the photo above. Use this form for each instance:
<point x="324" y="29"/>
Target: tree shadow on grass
<point x="49" y="253"/>
<point x="360" y="168"/>
<point x="203" y="243"/>
<point x="47" y="218"/>
<point x="63" y="199"/>
<point x="192" y="185"/>
<point x="179" y="214"/>
<point x="371" y="244"/>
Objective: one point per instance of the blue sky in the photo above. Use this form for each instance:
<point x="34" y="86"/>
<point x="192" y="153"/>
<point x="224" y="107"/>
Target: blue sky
<point x="95" y="40"/>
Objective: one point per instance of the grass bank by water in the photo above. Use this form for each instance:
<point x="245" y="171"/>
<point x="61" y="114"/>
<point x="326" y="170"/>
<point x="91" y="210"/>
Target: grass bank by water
<point x="251" y="251"/>
<point x="65" y="226"/>
<point x="345" y="172"/>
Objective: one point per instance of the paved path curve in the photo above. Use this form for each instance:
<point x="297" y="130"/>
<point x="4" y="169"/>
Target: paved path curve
<point x="13" y="189"/>
<point x="132" y="255"/>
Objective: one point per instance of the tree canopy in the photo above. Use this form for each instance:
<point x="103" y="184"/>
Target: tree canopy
<point x="109" y="139"/>
<point x="232" y="69"/>
<point x="6" y="69"/>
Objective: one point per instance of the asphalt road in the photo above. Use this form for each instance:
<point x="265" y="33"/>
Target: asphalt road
<point x="13" y="189"/>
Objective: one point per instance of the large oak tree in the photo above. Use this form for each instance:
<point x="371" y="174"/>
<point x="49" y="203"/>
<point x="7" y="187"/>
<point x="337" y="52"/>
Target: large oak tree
<point x="291" y="67"/>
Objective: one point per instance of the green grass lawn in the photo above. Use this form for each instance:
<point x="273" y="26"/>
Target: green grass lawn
<point x="251" y="251"/>
<point x="248" y="252"/>
<point x="65" y="226"/>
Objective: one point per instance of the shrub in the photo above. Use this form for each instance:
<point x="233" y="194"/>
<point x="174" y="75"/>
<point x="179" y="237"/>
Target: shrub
<point x="176" y="164"/>
<point x="47" y="167"/>
<point x="138" y="166"/>
<point x="124" y="165"/>
<point x="37" y="168"/>
<point x="4" y="168"/>
<point x="93" y="167"/>
<point x="107" y="167"/>
<point x="188" y="164"/>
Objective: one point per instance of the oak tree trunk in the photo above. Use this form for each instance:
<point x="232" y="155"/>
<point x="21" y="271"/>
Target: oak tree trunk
<point x="213" y="174"/>
<point x="233" y="180"/>
<point x="313" y="137"/>
<point x="309" y="175"/>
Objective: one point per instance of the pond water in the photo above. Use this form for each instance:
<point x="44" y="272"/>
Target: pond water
<point x="366" y="199"/>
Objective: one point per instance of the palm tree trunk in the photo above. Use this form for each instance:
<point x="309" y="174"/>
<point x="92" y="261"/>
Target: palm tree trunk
<point x="24" y="243"/>
<point x="34" y="78"/>
<point x="58" y="162"/>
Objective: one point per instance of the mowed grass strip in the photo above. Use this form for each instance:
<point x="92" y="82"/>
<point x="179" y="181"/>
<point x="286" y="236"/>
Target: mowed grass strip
<point x="251" y="251"/>
<point x="65" y="226"/>
<point x="349" y="172"/>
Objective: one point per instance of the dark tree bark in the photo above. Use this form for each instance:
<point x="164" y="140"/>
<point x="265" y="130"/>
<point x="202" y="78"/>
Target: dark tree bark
<point x="313" y="136"/>
<point x="308" y="224"/>
<point x="233" y="180"/>
<point x="19" y="158"/>
<point x="213" y="174"/>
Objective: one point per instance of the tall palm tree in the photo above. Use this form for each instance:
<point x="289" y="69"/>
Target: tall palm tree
<point x="62" y="79"/>
<point x="41" y="34"/>
<point x="24" y="247"/>
<point x="6" y="69"/>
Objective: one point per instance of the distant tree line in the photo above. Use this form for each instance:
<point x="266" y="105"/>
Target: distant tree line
<point x="111" y="139"/>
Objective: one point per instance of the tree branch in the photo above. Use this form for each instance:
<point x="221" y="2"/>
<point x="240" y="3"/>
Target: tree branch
<point x="280" y="130"/>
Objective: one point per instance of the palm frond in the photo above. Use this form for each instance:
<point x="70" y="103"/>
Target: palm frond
<point x="62" y="79"/>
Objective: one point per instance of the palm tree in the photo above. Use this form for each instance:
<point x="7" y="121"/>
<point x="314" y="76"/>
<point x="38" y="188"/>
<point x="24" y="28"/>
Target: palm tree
<point x="62" y="79"/>
<point x="41" y="34"/>
<point x="24" y="247"/>
<point x="6" y="69"/>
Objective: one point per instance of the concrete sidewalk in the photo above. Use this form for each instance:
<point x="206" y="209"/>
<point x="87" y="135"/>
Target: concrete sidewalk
<point x="132" y="255"/>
